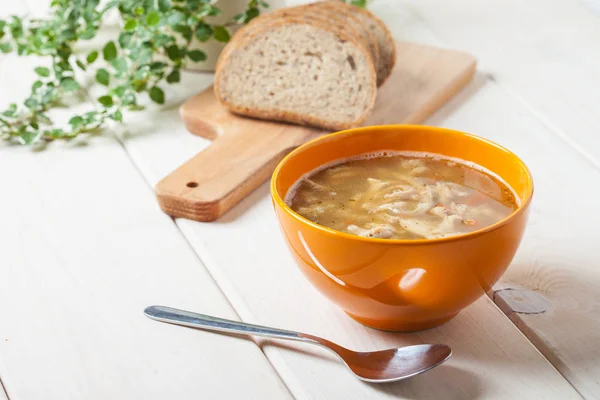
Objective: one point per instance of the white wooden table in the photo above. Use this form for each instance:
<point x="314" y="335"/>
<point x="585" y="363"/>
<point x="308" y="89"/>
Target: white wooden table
<point x="84" y="247"/>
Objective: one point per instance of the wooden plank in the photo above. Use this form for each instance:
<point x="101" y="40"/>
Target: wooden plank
<point x="557" y="264"/>
<point x="246" y="255"/>
<point x="545" y="56"/>
<point x="85" y="249"/>
<point x="11" y="8"/>
<point x="546" y="53"/>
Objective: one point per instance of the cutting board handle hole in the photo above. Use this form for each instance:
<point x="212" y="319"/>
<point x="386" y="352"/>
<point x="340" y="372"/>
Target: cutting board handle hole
<point x="192" y="184"/>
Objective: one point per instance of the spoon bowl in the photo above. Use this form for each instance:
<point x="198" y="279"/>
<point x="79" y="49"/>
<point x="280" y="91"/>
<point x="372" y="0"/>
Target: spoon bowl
<point x="374" y="366"/>
<point x="393" y="364"/>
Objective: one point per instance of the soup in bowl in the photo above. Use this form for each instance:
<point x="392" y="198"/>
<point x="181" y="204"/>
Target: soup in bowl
<point x="402" y="226"/>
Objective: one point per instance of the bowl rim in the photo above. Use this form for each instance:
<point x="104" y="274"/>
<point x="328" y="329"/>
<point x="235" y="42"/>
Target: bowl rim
<point x="410" y="242"/>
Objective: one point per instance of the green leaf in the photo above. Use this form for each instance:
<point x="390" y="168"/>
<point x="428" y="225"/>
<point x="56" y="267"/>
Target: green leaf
<point x="109" y="51"/>
<point x="208" y="10"/>
<point x="5" y="47"/>
<point x="173" y="52"/>
<point x="50" y="94"/>
<point x="30" y="137"/>
<point x="141" y="73"/>
<point x="42" y="71"/>
<point x="16" y="27"/>
<point x="193" y="4"/>
<point x="36" y="85"/>
<point x="203" y="32"/>
<point x="197" y="55"/>
<point x="80" y="64"/>
<point x="117" y="116"/>
<point x="106" y="100"/>
<point x="359" y="3"/>
<point x="2" y="24"/>
<point x="144" y="55"/>
<point x="63" y="66"/>
<point x="157" y="95"/>
<point x="69" y="85"/>
<point x="76" y="122"/>
<point x="43" y="118"/>
<point x="64" y="52"/>
<point x="158" y="66"/>
<point x="21" y="49"/>
<point x="92" y="116"/>
<point x="129" y="99"/>
<point x="175" y="17"/>
<point x="103" y="77"/>
<point x="221" y="33"/>
<point x="174" y="76"/>
<point x="153" y="18"/>
<point x="191" y="20"/>
<point x="185" y="31"/>
<point x="91" y="57"/>
<point x="67" y="35"/>
<point x="87" y="34"/>
<point x="119" y="91"/>
<point x="251" y="14"/>
<point x="31" y="103"/>
<point x="125" y="39"/>
<point x="161" y="40"/>
<point x="131" y="25"/>
<point x="10" y="111"/>
<point x="34" y="125"/>
<point x="247" y="16"/>
<point x="120" y="65"/>
<point x="164" y="5"/>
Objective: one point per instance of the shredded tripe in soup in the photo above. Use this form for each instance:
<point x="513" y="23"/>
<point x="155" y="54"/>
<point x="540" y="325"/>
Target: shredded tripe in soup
<point x="402" y="196"/>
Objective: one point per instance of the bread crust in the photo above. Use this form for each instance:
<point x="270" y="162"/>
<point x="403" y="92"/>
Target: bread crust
<point x="387" y="48"/>
<point x="330" y="7"/>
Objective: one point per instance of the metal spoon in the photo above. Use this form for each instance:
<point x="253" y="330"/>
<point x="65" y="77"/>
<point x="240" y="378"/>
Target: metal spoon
<point x="375" y="366"/>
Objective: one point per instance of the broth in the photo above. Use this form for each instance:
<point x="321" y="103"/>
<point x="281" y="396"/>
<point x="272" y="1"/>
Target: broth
<point x="402" y="195"/>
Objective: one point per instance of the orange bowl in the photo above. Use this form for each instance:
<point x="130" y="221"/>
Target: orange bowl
<point x="402" y="285"/>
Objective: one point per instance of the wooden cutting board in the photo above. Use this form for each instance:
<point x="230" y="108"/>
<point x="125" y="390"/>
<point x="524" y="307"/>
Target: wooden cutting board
<point x="245" y="151"/>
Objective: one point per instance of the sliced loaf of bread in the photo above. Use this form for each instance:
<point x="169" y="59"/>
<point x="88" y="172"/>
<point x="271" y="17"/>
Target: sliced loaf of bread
<point x="297" y="70"/>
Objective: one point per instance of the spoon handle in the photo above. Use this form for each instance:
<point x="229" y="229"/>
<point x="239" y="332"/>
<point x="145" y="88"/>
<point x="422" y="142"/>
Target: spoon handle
<point x="195" y="320"/>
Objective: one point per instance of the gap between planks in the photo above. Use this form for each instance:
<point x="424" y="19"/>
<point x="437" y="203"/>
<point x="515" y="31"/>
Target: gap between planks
<point x="3" y="391"/>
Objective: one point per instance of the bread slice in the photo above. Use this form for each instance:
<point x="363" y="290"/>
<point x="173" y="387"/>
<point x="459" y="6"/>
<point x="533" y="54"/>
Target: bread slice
<point x="298" y="71"/>
<point x="385" y="40"/>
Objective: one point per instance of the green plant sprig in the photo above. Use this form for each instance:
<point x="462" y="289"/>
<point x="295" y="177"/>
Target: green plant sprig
<point x="152" y="48"/>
